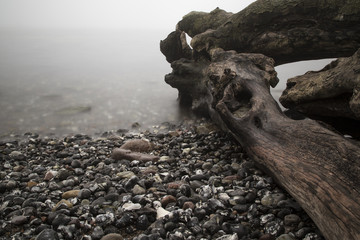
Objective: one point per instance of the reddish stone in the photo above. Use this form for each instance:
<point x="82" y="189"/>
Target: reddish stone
<point x="167" y="199"/>
<point x="188" y="205"/>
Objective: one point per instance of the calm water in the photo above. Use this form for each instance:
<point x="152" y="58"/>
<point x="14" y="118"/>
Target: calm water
<point x="87" y="81"/>
<point x="82" y="81"/>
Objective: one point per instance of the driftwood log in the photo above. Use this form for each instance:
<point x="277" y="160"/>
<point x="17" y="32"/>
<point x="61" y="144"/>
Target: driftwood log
<point x="318" y="167"/>
<point x="287" y="31"/>
<point x="331" y="95"/>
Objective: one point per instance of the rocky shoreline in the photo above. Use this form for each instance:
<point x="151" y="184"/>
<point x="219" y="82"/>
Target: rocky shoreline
<point x="197" y="184"/>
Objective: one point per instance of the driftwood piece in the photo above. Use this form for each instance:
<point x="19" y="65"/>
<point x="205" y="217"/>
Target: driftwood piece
<point x="285" y="30"/>
<point x="333" y="91"/>
<point x="319" y="168"/>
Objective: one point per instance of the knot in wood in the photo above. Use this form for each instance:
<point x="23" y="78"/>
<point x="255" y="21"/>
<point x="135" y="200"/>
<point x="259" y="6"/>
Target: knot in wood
<point x="214" y="78"/>
<point x="230" y="74"/>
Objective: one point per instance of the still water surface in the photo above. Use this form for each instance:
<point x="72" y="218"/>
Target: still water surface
<point x="90" y="81"/>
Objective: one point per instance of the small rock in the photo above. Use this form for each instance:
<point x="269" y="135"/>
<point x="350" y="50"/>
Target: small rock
<point x="267" y="236"/>
<point x="142" y="222"/>
<point x="31" y="184"/>
<point x="289" y="204"/>
<point x="215" y="204"/>
<point x="285" y="237"/>
<point x="274" y="227"/>
<point x="19" y="220"/>
<point x="169" y="226"/>
<point x="84" y="193"/>
<point x="11" y="184"/>
<point x="63" y="174"/>
<point x="228" y="237"/>
<point x="70" y="194"/>
<point x="125" y="174"/>
<point x="98" y="233"/>
<point x="250" y="197"/>
<point x="239" y="229"/>
<point x="63" y="203"/>
<point x="213" y="225"/>
<point x="47" y="234"/>
<point x="160" y="211"/>
<point x="164" y="159"/>
<point x="186" y="151"/>
<point x="188" y="204"/>
<point x="112" y="197"/>
<point x="224" y="196"/>
<point x="230" y="179"/>
<point x="112" y="236"/>
<point x="312" y="236"/>
<point x="200" y="213"/>
<point x="167" y="199"/>
<point x="291" y="220"/>
<point x="301" y="233"/>
<point x="105" y="219"/>
<point x="121" y="154"/>
<point x="67" y="231"/>
<point x="17" y="155"/>
<point x="266" y="218"/>
<point x="131" y="206"/>
<point x="125" y="220"/>
<point x="60" y="219"/>
<point x="206" y="128"/>
<point x="138" y="145"/>
<point x="76" y="164"/>
<point x="241" y="208"/>
<point x="174" y="185"/>
<point x="207" y="166"/>
<point x="50" y="175"/>
<point x="138" y="190"/>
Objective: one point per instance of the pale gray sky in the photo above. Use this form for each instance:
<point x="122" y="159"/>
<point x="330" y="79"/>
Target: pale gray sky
<point x="156" y="14"/>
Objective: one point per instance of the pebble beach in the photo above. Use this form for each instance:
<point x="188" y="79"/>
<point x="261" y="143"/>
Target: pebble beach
<point x="191" y="181"/>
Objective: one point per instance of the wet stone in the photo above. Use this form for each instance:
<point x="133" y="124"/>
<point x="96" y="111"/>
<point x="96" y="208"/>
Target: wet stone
<point x="19" y="220"/>
<point x="274" y="228"/>
<point x="138" y="190"/>
<point x="76" y="164"/>
<point x="112" y="236"/>
<point x="291" y="220"/>
<point x="98" y="233"/>
<point x="84" y="193"/>
<point x="60" y="219"/>
<point x="142" y="222"/>
<point x="70" y="194"/>
<point x="47" y="234"/>
<point x="285" y="237"/>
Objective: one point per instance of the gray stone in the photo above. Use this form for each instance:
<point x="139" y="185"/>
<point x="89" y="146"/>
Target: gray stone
<point x="19" y="220"/>
<point x="84" y="193"/>
<point x="47" y="234"/>
<point x="112" y="236"/>
<point x="138" y="190"/>
<point x="285" y="237"/>
<point x="98" y="233"/>
<point x="292" y="220"/>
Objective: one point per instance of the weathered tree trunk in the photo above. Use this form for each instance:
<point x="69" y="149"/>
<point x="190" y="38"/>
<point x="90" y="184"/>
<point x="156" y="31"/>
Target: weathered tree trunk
<point x="289" y="31"/>
<point x="319" y="168"/>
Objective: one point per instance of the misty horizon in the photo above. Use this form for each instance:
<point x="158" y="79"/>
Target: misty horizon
<point x="74" y="76"/>
<point x="110" y="14"/>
